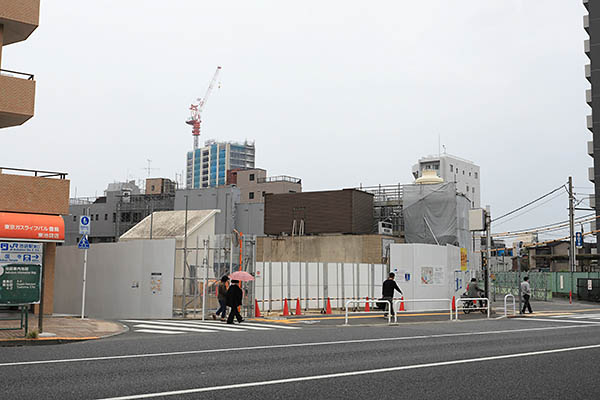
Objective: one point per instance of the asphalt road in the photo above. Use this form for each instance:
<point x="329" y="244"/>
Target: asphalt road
<point x="535" y="358"/>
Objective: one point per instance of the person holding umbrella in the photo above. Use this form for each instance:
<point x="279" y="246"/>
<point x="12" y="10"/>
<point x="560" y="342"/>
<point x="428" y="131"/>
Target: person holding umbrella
<point x="234" y="300"/>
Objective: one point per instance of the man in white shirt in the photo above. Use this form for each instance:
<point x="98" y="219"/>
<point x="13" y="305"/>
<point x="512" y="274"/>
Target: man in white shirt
<point x="526" y="291"/>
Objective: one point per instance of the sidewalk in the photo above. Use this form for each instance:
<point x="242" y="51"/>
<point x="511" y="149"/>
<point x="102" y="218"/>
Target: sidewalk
<point x="557" y="305"/>
<point x="58" y="329"/>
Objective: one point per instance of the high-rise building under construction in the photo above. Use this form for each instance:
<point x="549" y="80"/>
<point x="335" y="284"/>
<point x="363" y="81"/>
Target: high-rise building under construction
<point x="208" y="165"/>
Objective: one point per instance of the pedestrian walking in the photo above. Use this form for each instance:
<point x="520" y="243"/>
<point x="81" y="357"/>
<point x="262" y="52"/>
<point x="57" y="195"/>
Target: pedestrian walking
<point x="234" y="300"/>
<point x="389" y="285"/>
<point x="222" y="297"/>
<point x="526" y="291"/>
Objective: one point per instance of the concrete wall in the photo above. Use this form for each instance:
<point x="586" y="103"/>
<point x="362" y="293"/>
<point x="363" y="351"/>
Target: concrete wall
<point x="119" y="280"/>
<point x="334" y="248"/>
<point x="250" y="218"/>
<point x="222" y="198"/>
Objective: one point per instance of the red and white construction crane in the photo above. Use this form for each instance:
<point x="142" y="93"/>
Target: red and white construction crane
<point x="196" y="109"/>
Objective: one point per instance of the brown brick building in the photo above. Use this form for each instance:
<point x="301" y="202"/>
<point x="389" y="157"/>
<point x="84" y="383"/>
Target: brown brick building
<point x="31" y="201"/>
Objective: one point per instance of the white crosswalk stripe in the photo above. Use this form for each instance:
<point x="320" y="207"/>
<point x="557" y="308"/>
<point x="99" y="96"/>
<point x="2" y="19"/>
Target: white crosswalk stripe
<point x="173" y="327"/>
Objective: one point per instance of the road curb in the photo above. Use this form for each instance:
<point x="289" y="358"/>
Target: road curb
<point x="58" y="340"/>
<point x="43" y="341"/>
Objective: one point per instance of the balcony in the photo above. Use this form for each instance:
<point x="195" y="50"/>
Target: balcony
<point x="17" y="98"/>
<point x="20" y="18"/>
<point x="591" y="174"/>
<point x="34" y="192"/>
<point x="586" y="4"/>
<point x="588" y="73"/>
<point x="590" y="149"/>
<point x="593" y="203"/>
<point x="588" y="96"/>
<point x="586" y="23"/>
<point x="590" y="122"/>
<point x="586" y="47"/>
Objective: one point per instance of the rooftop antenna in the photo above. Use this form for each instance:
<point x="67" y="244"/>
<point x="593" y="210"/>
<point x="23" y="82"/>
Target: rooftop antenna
<point x="149" y="168"/>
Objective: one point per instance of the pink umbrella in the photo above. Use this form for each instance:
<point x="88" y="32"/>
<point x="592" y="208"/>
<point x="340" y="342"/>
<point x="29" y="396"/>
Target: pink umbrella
<point x="241" y="276"/>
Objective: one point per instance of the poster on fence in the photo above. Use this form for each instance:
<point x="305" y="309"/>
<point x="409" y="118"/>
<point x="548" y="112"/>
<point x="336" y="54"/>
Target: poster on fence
<point x="432" y="275"/>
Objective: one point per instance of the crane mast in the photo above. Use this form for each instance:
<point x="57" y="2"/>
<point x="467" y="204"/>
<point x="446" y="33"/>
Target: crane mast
<point x="196" y="109"/>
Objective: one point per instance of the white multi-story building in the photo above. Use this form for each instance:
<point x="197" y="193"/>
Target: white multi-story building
<point x="208" y="165"/>
<point x="463" y="172"/>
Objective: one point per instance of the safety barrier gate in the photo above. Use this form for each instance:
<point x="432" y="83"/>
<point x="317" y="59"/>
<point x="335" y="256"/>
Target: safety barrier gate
<point x="398" y="302"/>
<point x="373" y="301"/>
<point x="513" y="304"/>
<point x="474" y="299"/>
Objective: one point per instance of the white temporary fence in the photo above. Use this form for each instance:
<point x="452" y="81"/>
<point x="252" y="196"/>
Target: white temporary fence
<point x="514" y="307"/>
<point x="475" y="308"/>
<point x="397" y="303"/>
<point x="315" y="282"/>
<point x="373" y="301"/>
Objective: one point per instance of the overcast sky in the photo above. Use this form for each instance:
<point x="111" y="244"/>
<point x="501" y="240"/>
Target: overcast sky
<point x="337" y="93"/>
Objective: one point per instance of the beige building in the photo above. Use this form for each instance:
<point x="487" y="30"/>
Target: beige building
<point x="254" y="184"/>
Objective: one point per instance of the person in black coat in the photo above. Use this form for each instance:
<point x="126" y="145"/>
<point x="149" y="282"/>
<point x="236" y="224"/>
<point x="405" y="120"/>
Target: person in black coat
<point x="234" y="300"/>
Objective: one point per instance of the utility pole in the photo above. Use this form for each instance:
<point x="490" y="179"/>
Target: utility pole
<point x="488" y="227"/>
<point x="185" y="263"/>
<point x="572" y="249"/>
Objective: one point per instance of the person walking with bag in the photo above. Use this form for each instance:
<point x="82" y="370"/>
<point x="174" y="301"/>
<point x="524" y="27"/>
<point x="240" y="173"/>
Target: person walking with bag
<point x="234" y="300"/>
<point x="389" y="285"/>
<point x="222" y="297"/>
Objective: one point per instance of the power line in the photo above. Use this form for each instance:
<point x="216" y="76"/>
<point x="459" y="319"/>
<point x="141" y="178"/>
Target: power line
<point x="530" y="203"/>
<point x="531" y="209"/>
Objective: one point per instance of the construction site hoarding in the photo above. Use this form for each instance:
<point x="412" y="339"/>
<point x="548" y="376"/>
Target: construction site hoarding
<point x="339" y="211"/>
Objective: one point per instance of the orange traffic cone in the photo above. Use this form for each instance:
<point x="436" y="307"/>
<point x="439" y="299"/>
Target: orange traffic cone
<point x="328" y="310"/>
<point x="286" y="310"/>
<point x="570" y="297"/>
<point x="256" y="309"/>
<point x="402" y="303"/>
<point x="453" y="304"/>
<point x="367" y="308"/>
<point x="298" y="308"/>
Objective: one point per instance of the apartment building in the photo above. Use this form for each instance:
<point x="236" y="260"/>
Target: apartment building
<point x="450" y="168"/>
<point x="254" y="184"/>
<point x="32" y="201"/>
<point x="208" y="166"/>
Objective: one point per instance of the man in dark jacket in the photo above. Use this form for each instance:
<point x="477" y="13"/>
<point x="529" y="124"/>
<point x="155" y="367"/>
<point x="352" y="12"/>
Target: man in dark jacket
<point x="234" y="300"/>
<point x="389" y="285"/>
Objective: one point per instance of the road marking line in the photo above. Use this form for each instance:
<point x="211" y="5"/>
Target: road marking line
<point x="353" y="373"/>
<point x="200" y="325"/>
<point x="269" y="325"/>
<point x="238" y="326"/>
<point x="173" y="328"/>
<point x="164" y="325"/>
<point x="559" y="320"/>
<point x="157" y="331"/>
<point x="293" y="345"/>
